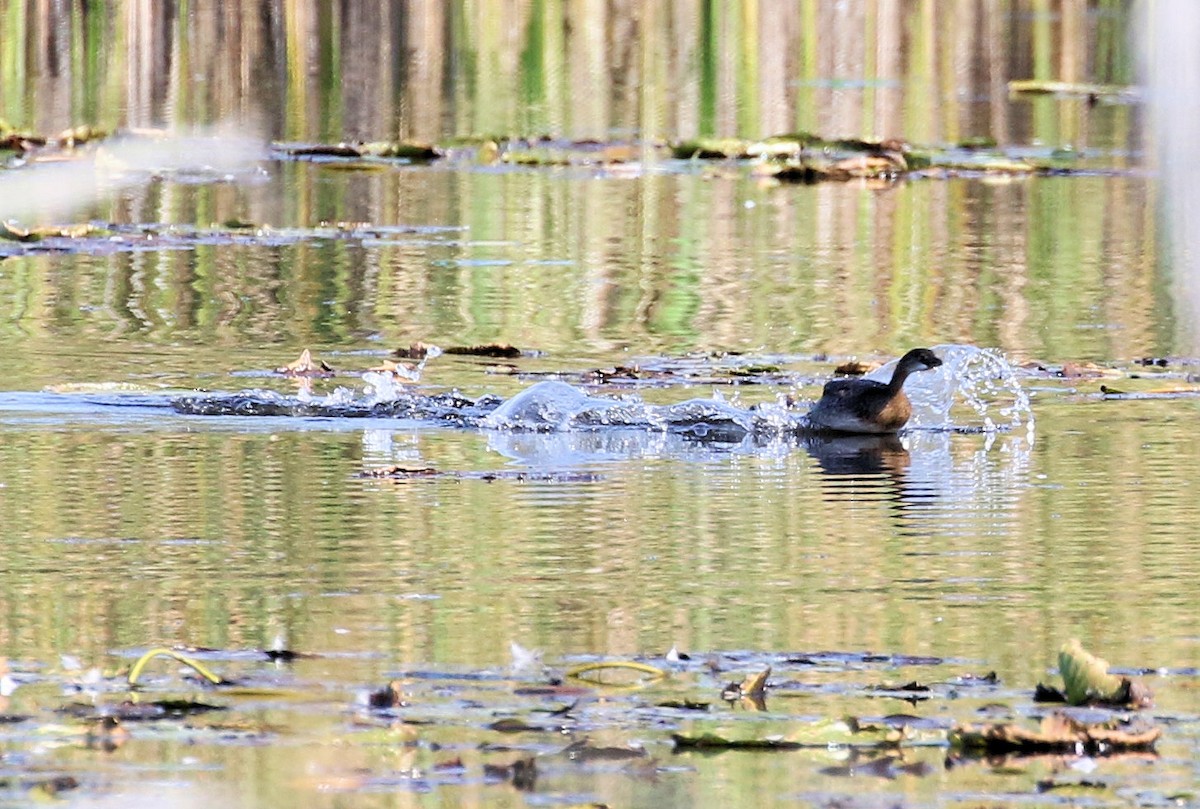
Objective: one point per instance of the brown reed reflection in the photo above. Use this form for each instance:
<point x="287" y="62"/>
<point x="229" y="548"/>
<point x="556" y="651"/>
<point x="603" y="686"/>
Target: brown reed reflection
<point x="311" y="69"/>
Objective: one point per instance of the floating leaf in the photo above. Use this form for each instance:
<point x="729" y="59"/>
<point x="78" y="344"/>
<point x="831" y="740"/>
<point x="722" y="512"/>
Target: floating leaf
<point x="17" y="234"/>
<point x="711" y="741"/>
<point x="583" y="750"/>
<point x="591" y="669"/>
<point x="1086" y="676"/>
<point x="514" y="725"/>
<point x="822" y="733"/>
<point x="522" y="773"/>
<point x="390" y="696"/>
<point x="752" y="691"/>
<point x="1057" y="733"/>
<point x="1065" y="88"/>
<point x="305" y="366"/>
<point x="404" y="150"/>
<point x="196" y="665"/>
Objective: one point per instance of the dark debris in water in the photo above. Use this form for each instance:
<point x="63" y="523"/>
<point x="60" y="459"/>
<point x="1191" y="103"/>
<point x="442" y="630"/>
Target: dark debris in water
<point x="495" y="350"/>
<point x="44" y="787"/>
<point x="451" y="408"/>
<point x="401" y="473"/>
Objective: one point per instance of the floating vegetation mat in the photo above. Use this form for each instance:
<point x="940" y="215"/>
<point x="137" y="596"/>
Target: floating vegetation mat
<point x="840" y="722"/>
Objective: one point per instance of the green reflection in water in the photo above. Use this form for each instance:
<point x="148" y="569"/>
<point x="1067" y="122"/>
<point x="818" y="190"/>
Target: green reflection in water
<point x="1053" y="268"/>
<point x="223" y="538"/>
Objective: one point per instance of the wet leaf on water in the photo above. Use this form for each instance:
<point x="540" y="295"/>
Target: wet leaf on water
<point x="854" y="368"/>
<point x="320" y="150"/>
<point x="821" y="733"/>
<point x="184" y="707"/>
<point x="15" y="140"/>
<point x="105" y="733"/>
<point x="583" y="750"/>
<point x="14" y="233"/>
<point x="1048" y="693"/>
<point x="497" y="350"/>
<point x="133" y="711"/>
<point x="551" y="691"/>
<point x="403" y="473"/>
<point x="547" y="152"/>
<point x="387" y="149"/>
<point x="1087" y="680"/>
<point x="594" y="672"/>
<point x="400" y="472"/>
<point x="416" y="351"/>
<point x="304" y="365"/>
<point x="522" y="773"/>
<point x="912" y="687"/>
<point x="991" y="678"/>
<point x="1112" y="92"/>
<point x="616" y="373"/>
<point x="46" y="786"/>
<point x="390" y="696"/>
<point x="403" y="150"/>
<point x="512" y="724"/>
<point x="872" y="165"/>
<point x="754" y="370"/>
<point x="1057" y="733"/>
<point x="288" y="655"/>
<point x="752" y="691"/>
<point x="755" y="685"/>
<point x="684" y="704"/>
<point x="711" y="741"/>
<point x="805" y="171"/>
<point x="977" y="142"/>
<point x="903" y="720"/>
<point x="1086" y="370"/>
<point x="1070" y="786"/>
<point x="713" y="149"/>
<point x="79" y="135"/>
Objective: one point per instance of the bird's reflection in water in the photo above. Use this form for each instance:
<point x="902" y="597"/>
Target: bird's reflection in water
<point x="878" y="469"/>
<point x="858" y="455"/>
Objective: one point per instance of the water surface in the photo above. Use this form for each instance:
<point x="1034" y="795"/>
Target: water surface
<point x="940" y="557"/>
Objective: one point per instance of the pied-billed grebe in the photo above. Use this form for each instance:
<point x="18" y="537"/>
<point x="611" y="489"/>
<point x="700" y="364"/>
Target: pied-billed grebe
<point x="867" y="406"/>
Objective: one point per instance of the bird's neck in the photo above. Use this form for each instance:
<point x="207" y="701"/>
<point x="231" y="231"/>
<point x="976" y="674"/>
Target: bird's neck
<point x="898" y="376"/>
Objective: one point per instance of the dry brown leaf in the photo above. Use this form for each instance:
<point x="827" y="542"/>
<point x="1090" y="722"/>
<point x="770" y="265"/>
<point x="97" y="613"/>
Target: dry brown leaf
<point x="304" y="365"/>
<point x="1057" y="733"/>
<point x="402" y="371"/>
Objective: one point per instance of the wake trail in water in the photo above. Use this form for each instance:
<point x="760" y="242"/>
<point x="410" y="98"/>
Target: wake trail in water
<point x="975" y="390"/>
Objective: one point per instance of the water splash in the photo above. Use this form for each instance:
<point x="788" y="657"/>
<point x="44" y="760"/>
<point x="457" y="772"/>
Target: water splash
<point x="975" y="390"/>
<point x="390" y="386"/>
